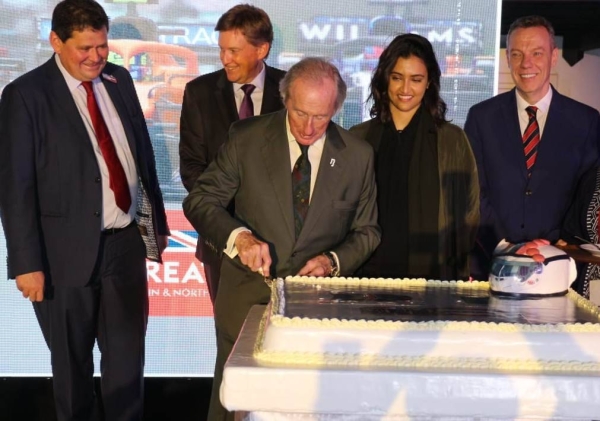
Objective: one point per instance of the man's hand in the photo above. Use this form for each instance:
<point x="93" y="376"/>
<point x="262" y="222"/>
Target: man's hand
<point x="317" y="266"/>
<point x="253" y="253"/>
<point x="531" y="249"/>
<point x="163" y="242"/>
<point x="31" y="285"/>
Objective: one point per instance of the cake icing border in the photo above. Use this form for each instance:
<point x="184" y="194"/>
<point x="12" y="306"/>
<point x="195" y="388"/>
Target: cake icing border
<point x="272" y="314"/>
<point x="423" y="362"/>
<point x="278" y="305"/>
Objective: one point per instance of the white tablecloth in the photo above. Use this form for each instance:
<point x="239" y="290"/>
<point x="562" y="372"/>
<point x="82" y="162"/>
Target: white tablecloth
<point x="352" y="393"/>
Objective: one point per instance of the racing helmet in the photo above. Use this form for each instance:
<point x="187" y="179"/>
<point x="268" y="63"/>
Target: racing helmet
<point x="517" y="275"/>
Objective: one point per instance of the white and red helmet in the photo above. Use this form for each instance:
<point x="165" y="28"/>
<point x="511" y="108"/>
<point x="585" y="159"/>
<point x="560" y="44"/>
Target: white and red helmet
<point x="518" y="274"/>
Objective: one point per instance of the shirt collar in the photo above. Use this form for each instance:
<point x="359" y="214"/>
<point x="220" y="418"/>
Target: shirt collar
<point x="543" y="105"/>
<point x="72" y="83"/>
<point x="258" y="81"/>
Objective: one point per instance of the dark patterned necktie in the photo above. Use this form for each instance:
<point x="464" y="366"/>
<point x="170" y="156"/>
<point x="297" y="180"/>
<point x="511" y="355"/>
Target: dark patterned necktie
<point x="116" y="175"/>
<point x="247" y="106"/>
<point x="301" y="188"/>
<point x="531" y="138"/>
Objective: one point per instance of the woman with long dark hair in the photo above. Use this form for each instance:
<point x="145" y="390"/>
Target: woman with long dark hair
<point x="428" y="191"/>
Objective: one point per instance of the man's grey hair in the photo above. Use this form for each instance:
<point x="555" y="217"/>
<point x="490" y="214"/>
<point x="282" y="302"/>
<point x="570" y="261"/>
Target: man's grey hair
<point x="314" y="69"/>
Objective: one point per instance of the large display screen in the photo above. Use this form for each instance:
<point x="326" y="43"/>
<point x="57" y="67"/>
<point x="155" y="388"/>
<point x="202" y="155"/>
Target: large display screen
<point x="166" y="44"/>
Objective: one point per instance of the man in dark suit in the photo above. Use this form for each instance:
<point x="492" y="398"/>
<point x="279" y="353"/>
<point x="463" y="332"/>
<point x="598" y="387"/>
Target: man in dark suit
<point x="279" y="227"/>
<point x="212" y="102"/>
<point x="531" y="146"/>
<point x="77" y="170"/>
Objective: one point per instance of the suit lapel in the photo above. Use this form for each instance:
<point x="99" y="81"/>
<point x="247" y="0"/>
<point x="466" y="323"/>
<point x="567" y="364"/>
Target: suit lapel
<point x="554" y="134"/>
<point x="117" y="100"/>
<point x="225" y="99"/>
<point x="331" y="168"/>
<point x="271" y="101"/>
<point x="510" y="121"/>
<point x="374" y="134"/>
<point x="279" y="170"/>
<point x="64" y="99"/>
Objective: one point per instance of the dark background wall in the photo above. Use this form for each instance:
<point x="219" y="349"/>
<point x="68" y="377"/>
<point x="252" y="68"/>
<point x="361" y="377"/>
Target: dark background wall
<point x="578" y="22"/>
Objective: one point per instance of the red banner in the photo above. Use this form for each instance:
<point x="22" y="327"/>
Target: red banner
<point x="178" y="286"/>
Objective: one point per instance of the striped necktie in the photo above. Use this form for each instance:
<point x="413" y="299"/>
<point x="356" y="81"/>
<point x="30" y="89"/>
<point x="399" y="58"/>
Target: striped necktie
<point x="531" y="138"/>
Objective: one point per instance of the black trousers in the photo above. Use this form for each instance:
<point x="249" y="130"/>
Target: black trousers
<point x="216" y="410"/>
<point x="111" y="308"/>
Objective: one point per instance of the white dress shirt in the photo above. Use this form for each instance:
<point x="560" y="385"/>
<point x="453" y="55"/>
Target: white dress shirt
<point x="112" y="215"/>
<point x="257" y="94"/>
<point x="543" y="105"/>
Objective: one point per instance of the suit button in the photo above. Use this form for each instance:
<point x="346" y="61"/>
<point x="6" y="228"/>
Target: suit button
<point x="528" y="192"/>
<point x="97" y="179"/>
<point x="97" y="213"/>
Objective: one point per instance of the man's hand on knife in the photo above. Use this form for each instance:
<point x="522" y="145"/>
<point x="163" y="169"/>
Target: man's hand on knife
<point x="253" y="253"/>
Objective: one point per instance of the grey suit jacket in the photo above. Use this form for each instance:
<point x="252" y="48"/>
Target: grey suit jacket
<point x="254" y="168"/>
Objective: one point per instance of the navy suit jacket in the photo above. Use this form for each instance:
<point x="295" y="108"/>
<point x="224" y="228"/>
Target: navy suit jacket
<point x="51" y="195"/>
<point x="513" y="205"/>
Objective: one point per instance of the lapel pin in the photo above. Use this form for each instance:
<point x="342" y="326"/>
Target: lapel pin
<point x="332" y="162"/>
<point x="110" y="78"/>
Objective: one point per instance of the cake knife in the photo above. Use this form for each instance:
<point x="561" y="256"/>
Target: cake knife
<point x="268" y="280"/>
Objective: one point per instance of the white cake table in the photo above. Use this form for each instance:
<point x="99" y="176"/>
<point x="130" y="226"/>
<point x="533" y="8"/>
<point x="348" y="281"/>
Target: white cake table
<point x="259" y="392"/>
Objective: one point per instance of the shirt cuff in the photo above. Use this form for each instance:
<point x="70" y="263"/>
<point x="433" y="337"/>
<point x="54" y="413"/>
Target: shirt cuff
<point x="231" y="249"/>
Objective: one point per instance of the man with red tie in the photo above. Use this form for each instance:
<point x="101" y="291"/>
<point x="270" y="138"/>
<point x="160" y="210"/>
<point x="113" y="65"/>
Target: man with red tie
<point x="531" y="145"/>
<point x="81" y="210"/>
<point x="244" y="87"/>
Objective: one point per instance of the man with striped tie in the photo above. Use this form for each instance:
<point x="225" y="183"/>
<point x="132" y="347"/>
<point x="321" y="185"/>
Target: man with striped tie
<point x="531" y="145"/>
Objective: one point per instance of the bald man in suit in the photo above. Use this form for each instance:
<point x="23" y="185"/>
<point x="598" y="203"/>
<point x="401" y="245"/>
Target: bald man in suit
<point x="258" y="167"/>
<point x="212" y="102"/>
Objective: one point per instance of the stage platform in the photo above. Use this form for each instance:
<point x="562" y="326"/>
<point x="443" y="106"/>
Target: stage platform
<point x="167" y="399"/>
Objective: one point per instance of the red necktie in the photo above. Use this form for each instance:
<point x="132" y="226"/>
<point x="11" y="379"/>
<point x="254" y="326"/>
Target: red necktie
<point x="247" y="106"/>
<point x="531" y="138"/>
<point x="118" y="181"/>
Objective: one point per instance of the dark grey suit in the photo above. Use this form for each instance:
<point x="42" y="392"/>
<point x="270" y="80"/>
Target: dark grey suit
<point x="51" y="203"/>
<point x="207" y="112"/>
<point x="254" y="168"/>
